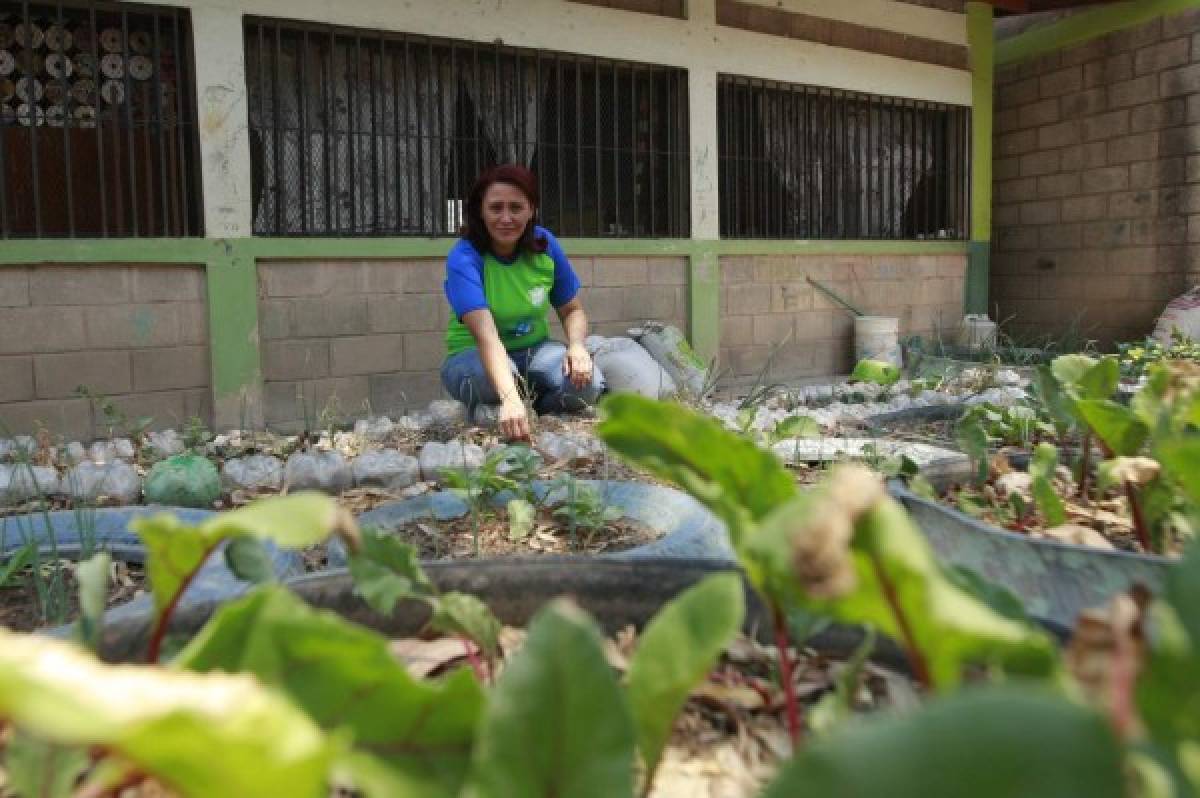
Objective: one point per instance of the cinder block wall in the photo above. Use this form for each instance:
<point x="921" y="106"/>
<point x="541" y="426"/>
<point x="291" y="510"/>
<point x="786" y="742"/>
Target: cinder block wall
<point x="766" y="299"/>
<point x="1097" y="182"/>
<point x="135" y="333"/>
<point x="371" y="333"/>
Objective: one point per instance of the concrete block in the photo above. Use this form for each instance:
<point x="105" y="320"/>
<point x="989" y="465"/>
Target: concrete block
<point x="309" y="278"/>
<point x="16" y="380"/>
<point x="814" y="325"/>
<point x="1042" y="112"/>
<point x="1168" y="230"/>
<point x="747" y="299"/>
<point x="383" y="276"/>
<point x="603" y="304"/>
<point x="370" y="354"/>
<point x="1153" y="174"/>
<point x="1016" y="238"/>
<point x="1084" y="209"/>
<point x="1131" y="204"/>
<point x="1039" y="163"/>
<point x="1061" y="236"/>
<point x="1005" y="215"/>
<point x="1104" y="235"/>
<point x="1155" y="116"/>
<point x="1006" y="120"/>
<point x="772" y="328"/>
<point x="1006" y="168"/>
<point x="405" y="312"/>
<point x="425" y="276"/>
<point x="737" y="331"/>
<point x="303" y="403"/>
<point x="736" y="269"/>
<point x="1017" y="143"/>
<point x="1164" y="55"/>
<point x="193" y="322"/>
<point x="1062" y="134"/>
<point x="168" y="369"/>
<point x="668" y="271"/>
<point x="274" y="319"/>
<point x="1106" y="126"/>
<point x="154" y="283"/>
<point x="1015" y="190"/>
<point x="79" y="285"/>
<point x="295" y="359"/>
<point x="424" y="351"/>
<point x="1134" y="92"/>
<point x="1181" y="23"/>
<point x="58" y="376"/>
<point x="1175" y="82"/>
<point x="1095" y="154"/>
<point x="1019" y="93"/>
<point x="1083" y="103"/>
<point x="1179" y="141"/>
<point x="747" y="361"/>
<point x="69" y="418"/>
<point x="1108" y="179"/>
<point x="1192" y="169"/>
<point x="329" y="316"/>
<point x="14" y="286"/>
<point x="166" y="408"/>
<point x="1044" y="212"/>
<point x="132" y="326"/>
<point x="642" y="302"/>
<point x="620" y="271"/>
<point x="1061" y="81"/>
<point x="1061" y="185"/>
<point x="791" y="297"/>
<point x="585" y="270"/>
<point x="197" y="403"/>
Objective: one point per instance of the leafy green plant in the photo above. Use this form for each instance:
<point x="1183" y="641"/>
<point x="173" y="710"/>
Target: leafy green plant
<point x="876" y="372"/>
<point x="1137" y="358"/>
<point x="116" y="422"/>
<point x="196" y="435"/>
<point x="581" y="507"/>
<point x="506" y="468"/>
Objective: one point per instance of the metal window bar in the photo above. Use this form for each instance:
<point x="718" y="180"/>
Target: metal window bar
<point x="97" y="132"/>
<point x="423" y="110"/>
<point x="800" y="161"/>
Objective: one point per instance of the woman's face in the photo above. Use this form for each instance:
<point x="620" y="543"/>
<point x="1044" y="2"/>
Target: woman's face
<point x="506" y="213"/>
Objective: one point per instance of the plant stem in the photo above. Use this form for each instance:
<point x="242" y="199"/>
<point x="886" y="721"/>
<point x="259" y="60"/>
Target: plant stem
<point x="1139" y="518"/>
<point x="916" y="657"/>
<point x="785" y="674"/>
<point x="164" y="618"/>
<point x="1085" y="464"/>
<point x="473" y="658"/>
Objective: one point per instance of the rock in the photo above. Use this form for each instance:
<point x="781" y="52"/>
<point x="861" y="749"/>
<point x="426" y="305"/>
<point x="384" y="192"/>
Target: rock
<point x="628" y="368"/>
<point x="164" y="444"/>
<point x="374" y="429"/>
<point x="417" y="422"/>
<point x="667" y="345"/>
<point x="387" y="469"/>
<point x="73" y="454"/>
<point x="6" y="448"/>
<point x="256" y="472"/>
<point x="25" y="445"/>
<point x="568" y="447"/>
<point x="1018" y="482"/>
<point x="21" y="482"/>
<point x="323" y="471"/>
<point x="118" y="480"/>
<point x="486" y="416"/>
<point x="1078" y="534"/>
<point x="447" y="412"/>
<point x="434" y="457"/>
<point x="111" y="451"/>
<point x="185" y="480"/>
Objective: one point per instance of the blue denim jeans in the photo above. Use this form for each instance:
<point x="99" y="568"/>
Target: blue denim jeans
<point x="540" y="366"/>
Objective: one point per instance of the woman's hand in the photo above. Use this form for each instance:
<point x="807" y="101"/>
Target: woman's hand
<point x="577" y="366"/>
<point x="513" y="420"/>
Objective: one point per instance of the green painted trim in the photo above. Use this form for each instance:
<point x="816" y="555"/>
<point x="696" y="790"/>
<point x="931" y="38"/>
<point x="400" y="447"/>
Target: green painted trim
<point x="183" y="251"/>
<point x="975" y="290"/>
<point x="286" y="248"/>
<point x="1085" y="26"/>
<point x="858" y="247"/>
<point x="704" y="304"/>
<point x="980" y="36"/>
<point x="237" y="380"/>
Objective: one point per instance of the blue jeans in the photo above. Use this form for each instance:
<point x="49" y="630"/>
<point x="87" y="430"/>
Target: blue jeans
<point x="540" y="366"/>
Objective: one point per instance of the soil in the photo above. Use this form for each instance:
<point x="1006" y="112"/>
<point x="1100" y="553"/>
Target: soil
<point x="21" y="612"/>
<point x="456" y="538"/>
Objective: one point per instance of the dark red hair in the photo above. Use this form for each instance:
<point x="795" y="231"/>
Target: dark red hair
<point x="515" y="175"/>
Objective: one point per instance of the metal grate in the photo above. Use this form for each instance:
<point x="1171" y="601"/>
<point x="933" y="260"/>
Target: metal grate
<point x="97" y="129"/>
<point x="360" y="133"/>
<point x="815" y="163"/>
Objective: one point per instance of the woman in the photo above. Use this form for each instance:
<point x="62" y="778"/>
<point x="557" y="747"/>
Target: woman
<point x="500" y="277"/>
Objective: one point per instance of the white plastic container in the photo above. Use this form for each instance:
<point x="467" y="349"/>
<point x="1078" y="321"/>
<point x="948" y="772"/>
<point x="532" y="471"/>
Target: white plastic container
<point x="877" y="338"/>
<point x="978" y="332"/>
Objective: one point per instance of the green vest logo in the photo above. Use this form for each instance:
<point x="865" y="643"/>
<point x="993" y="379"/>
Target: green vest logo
<point x="537" y="296"/>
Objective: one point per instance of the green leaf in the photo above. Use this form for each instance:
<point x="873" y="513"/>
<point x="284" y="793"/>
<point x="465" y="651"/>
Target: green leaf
<point x="1101" y="380"/>
<point x="679" y="646"/>
<point x="1180" y="457"/>
<point x="168" y="723"/>
<point x="345" y="677"/>
<point x="557" y="723"/>
<point x="798" y="426"/>
<point x="92" y="577"/>
<point x="838" y="707"/>
<point x="996" y="596"/>
<point x="35" y="768"/>
<point x="982" y="743"/>
<point x="19" y="559"/>
<point x="249" y="559"/>
<point x="895" y="570"/>
<point x="1118" y="426"/>
<point x="731" y="476"/>
<point x="463" y="614"/>
<point x="385" y="570"/>
<point x="174" y="550"/>
<point x="973" y="440"/>
<point x="1041" y="467"/>
<point x="1070" y="369"/>
<point x="520" y="519"/>
<point x="877" y="372"/>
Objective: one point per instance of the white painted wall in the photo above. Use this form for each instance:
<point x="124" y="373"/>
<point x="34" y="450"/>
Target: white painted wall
<point x="697" y="44"/>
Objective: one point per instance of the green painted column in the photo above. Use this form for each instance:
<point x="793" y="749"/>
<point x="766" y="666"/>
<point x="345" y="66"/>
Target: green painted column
<point x="704" y="301"/>
<point x="237" y="381"/>
<point x="981" y="42"/>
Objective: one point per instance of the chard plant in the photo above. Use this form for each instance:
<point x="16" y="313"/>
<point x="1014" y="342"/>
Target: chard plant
<point x="581" y="507"/>
<point x="505" y="469"/>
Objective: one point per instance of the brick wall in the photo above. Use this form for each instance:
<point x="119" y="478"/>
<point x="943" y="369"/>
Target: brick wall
<point x="137" y="334"/>
<point x="371" y="333"/>
<point x="766" y="299"/>
<point x="1097" y="181"/>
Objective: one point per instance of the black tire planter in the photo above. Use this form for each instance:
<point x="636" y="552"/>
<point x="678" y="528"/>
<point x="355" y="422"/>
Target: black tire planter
<point x="1055" y="580"/>
<point x="690" y="530"/>
<point x="59" y="532"/>
<point x="615" y="593"/>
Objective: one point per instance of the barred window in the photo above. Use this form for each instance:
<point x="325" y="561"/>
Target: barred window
<point x="97" y="131"/>
<point x="360" y="133"/>
<point x="817" y="163"/>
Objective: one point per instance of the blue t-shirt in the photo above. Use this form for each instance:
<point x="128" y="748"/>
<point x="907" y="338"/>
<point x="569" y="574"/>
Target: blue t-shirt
<point x="469" y="280"/>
